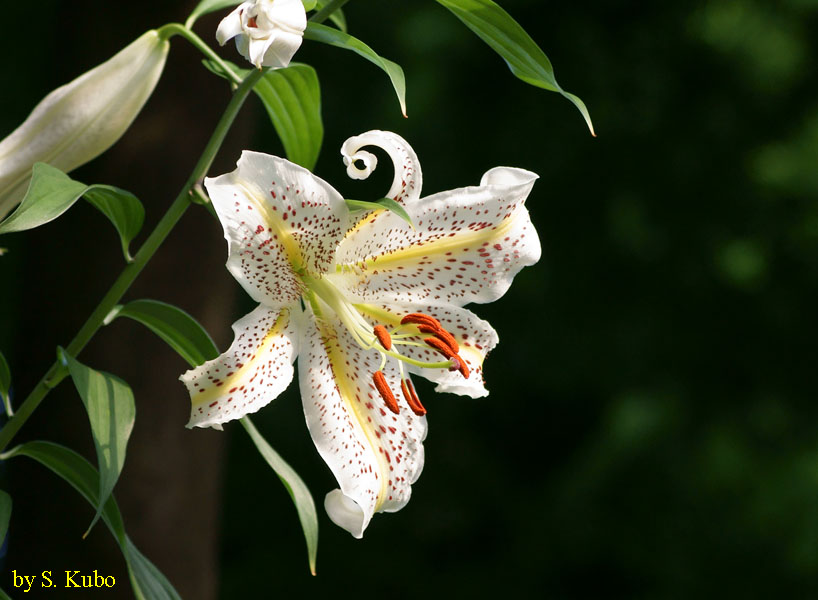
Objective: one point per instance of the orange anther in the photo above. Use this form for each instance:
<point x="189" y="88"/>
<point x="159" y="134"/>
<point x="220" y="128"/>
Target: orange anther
<point x="383" y="388"/>
<point x="383" y="337"/>
<point x="440" y="346"/>
<point x="420" y="318"/>
<point x="449" y="339"/>
<point x="442" y="335"/>
<point x="412" y="398"/>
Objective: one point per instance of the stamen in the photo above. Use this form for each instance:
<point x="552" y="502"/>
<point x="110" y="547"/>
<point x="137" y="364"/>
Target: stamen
<point x="446" y="351"/>
<point x="383" y="337"/>
<point x="412" y="398"/>
<point x="440" y="346"/>
<point x="383" y="388"/>
<point x="441" y="334"/>
<point x="422" y="319"/>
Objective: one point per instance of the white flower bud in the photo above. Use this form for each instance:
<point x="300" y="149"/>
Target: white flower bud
<point x="80" y="120"/>
<point x="269" y="31"/>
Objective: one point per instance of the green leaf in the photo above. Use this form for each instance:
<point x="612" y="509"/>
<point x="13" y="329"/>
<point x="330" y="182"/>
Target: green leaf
<point x="5" y="514"/>
<point x="75" y="470"/>
<point x="111" y="412"/>
<point x="5" y="384"/>
<point x="122" y="208"/>
<point x="522" y="54"/>
<point x="52" y="192"/>
<point x="382" y="204"/>
<point x="292" y="97"/>
<point x="4" y="595"/>
<point x="339" y="39"/>
<point x="182" y="332"/>
<point x="336" y="17"/>
<point x="208" y="6"/>
<point x="147" y="581"/>
<point x="308" y="4"/>
<point x="295" y="486"/>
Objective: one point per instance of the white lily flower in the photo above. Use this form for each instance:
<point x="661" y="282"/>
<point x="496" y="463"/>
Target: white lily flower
<point x="363" y="302"/>
<point x="269" y="31"/>
<point x="80" y="120"/>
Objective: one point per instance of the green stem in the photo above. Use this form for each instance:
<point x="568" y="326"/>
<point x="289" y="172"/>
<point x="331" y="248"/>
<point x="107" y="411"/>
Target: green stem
<point x="168" y="31"/>
<point x="58" y="371"/>
<point x="323" y="14"/>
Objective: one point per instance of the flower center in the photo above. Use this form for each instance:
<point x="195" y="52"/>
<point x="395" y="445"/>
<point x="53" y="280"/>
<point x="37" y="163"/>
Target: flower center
<point x="414" y="330"/>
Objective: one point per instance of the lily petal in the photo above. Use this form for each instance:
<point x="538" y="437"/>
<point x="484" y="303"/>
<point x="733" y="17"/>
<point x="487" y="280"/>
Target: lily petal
<point x="408" y="179"/>
<point x="231" y="25"/>
<point x="474" y="335"/>
<point x="467" y="246"/>
<point x="258" y="48"/>
<point x="254" y="371"/>
<point x="374" y="454"/>
<point x="281" y="51"/>
<point x="406" y="182"/>
<point x="287" y="15"/>
<point x="278" y="219"/>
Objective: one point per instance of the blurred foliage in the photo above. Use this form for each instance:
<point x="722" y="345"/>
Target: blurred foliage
<point x="651" y="429"/>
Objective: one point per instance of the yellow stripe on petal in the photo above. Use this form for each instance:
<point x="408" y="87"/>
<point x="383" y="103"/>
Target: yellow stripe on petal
<point x="280" y="221"/>
<point x="467" y="246"/>
<point x="441" y="245"/>
<point x="374" y="453"/>
<point x="255" y="369"/>
<point x="243" y="373"/>
<point x="345" y="379"/>
<point x="282" y="234"/>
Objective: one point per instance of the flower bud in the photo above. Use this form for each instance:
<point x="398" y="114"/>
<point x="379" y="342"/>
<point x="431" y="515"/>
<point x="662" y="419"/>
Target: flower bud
<point x="267" y="32"/>
<point x="80" y="120"/>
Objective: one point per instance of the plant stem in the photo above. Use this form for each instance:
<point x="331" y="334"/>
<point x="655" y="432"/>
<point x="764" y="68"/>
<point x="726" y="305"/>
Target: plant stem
<point x="171" y="29"/>
<point x="58" y="371"/>
<point x="323" y="14"/>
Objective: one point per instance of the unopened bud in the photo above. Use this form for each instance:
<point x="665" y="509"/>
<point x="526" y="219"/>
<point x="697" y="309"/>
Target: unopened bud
<point x="80" y="120"/>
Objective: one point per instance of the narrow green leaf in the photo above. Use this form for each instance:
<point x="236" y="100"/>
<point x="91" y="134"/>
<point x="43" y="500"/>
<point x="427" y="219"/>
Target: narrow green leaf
<point x="382" y="204"/>
<point x="308" y="4"/>
<point x="292" y="98"/>
<point x="336" y="17"/>
<point x="110" y="406"/>
<point x="208" y="6"/>
<point x="77" y="471"/>
<point x="5" y="384"/>
<point x="52" y="192"/>
<point x="5" y="514"/>
<point x="182" y="332"/>
<point x="295" y="486"/>
<point x="507" y="37"/>
<point x="339" y="39"/>
<point x="147" y="581"/>
<point x="4" y="595"/>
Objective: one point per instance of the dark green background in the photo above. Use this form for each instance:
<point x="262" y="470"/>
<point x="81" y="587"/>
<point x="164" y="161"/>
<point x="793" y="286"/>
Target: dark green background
<point x="651" y="428"/>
